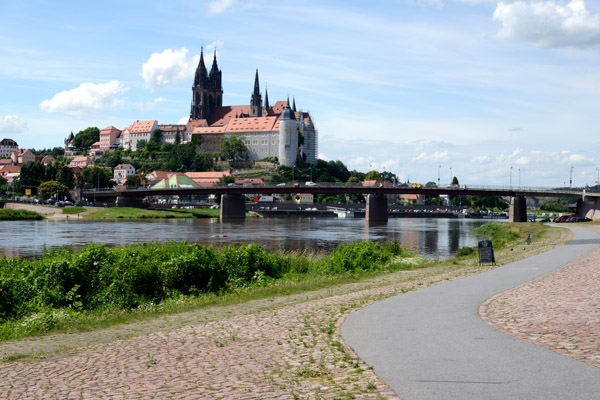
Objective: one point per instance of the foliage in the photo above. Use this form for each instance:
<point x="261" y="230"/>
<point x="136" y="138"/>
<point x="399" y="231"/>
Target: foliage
<point x="233" y="148"/>
<point x="54" y="152"/>
<point x="134" y="181"/>
<point x="33" y="174"/>
<point x="555" y="205"/>
<point x="465" y="251"/>
<point x="73" y="210"/>
<point x="499" y="233"/>
<point x="40" y="293"/>
<point x="85" y="138"/>
<point x="94" y="177"/>
<point x="18" y="215"/>
<point x="53" y="189"/>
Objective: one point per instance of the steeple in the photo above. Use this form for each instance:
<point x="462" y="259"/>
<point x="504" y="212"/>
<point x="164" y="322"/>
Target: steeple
<point x="294" y="106"/>
<point x="207" y="92"/>
<point x="256" y="99"/>
<point x="267" y="106"/>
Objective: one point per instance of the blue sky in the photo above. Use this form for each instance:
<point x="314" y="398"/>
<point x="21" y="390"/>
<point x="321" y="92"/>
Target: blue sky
<point x="491" y="91"/>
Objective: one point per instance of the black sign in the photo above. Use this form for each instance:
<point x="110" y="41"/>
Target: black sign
<point x="486" y="252"/>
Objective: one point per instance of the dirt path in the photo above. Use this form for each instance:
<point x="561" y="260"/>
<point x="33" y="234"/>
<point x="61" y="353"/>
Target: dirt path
<point x="50" y="212"/>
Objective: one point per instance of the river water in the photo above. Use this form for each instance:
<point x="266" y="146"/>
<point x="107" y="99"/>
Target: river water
<point x="430" y="237"/>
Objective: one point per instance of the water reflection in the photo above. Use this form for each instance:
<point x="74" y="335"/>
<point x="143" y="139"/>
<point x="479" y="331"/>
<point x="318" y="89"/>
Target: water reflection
<point x="434" y="238"/>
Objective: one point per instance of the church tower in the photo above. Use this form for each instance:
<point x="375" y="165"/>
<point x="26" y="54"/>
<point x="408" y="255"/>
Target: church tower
<point x="207" y="92"/>
<point x="256" y="99"/>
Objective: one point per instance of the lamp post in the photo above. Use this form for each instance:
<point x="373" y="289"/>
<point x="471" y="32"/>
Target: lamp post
<point x="510" y="179"/>
<point x="451" y="176"/>
<point x="598" y="181"/>
<point x="571" y="178"/>
<point x="519" y="177"/>
<point x="439" y="167"/>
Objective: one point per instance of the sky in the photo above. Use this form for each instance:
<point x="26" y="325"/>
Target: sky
<point x="493" y="92"/>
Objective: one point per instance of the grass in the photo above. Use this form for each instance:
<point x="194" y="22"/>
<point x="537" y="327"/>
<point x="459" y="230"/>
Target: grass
<point x="421" y="274"/>
<point x="115" y="213"/>
<point x="73" y="210"/>
<point x="18" y="215"/>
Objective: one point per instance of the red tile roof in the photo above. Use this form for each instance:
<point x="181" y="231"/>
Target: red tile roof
<point x="142" y="126"/>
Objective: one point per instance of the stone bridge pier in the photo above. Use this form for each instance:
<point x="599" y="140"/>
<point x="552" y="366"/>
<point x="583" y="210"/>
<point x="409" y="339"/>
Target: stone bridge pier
<point x="589" y="207"/>
<point x="377" y="210"/>
<point x="518" y="209"/>
<point x="233" y="206"/>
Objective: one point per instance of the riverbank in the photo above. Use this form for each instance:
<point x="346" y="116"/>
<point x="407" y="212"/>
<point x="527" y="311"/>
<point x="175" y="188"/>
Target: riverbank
<point x="278" y="347"/>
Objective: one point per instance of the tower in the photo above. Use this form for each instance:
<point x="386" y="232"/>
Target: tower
<point x="256" y="99"/>
<point x="288" y="136"/>
<point x="207" y="92"/>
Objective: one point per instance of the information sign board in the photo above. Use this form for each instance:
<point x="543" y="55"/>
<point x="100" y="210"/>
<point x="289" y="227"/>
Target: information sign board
<point x="486" y="252"/>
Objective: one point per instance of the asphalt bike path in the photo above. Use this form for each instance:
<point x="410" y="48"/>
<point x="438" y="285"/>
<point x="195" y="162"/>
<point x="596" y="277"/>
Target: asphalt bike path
<point x="431" y="343"/>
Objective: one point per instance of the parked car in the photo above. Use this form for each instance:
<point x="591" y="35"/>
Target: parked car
<point x="309" y="183"/>
<point x="564" y="218"/>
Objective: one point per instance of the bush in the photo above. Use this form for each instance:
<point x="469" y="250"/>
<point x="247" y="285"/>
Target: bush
<point x="465" y="251"/>
<point x="361" y="256"/>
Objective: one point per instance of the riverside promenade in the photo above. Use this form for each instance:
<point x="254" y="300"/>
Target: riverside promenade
<point x="432" y="343"/>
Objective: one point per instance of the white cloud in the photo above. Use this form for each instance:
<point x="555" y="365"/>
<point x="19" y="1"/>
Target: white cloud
<point x="480" y="160"/>
<point x="85" y="98"/>
<point x="183" y="120"/>
<point x="548" y="23"/>
<point x="12" y="124"/>
<point x="435" y="156"/>
<point x="581" y="159"/>
<point x="220" y="6"/>
<point x="322" y="157"/>
<point x="169" y="67"/>
<point x="149" y="105"/>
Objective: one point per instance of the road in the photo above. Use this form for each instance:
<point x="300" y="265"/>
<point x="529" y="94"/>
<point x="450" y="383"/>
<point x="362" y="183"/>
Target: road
<point x="431" y="344"/>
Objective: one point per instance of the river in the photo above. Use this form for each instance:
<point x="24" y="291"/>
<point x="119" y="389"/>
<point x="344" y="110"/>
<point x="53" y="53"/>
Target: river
<point x="431" y="237"/>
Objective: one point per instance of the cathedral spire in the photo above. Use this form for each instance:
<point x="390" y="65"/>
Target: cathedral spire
<point x="256" y="99"/>
<point x="207" y="92"/>
<point x="294" y="105"/>
<point x="266" y="98"/>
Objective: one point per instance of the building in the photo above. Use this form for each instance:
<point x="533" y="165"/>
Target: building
<point x="81" y="162"/>
<point x="140" y="130"/>
<point x="304" y="198"/>
<point x="8" y="172"/>
<point x="267" y="131"/>
<point x="7" y="147"/>
<point x="122" y="171"/>
<point x="108" y="138"/>
<point x="24" y="156"/>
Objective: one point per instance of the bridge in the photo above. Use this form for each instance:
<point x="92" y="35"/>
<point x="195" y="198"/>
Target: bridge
<point x="233" y="196"/>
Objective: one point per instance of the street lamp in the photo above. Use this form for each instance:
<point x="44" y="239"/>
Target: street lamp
<point x="519" y="177"/>
<point x="598" y="181"/>
<point x="451" y="176"/>
<point x="510" y="184"/>
<point x="571" y="178"/>
<point x="439" y="167"/>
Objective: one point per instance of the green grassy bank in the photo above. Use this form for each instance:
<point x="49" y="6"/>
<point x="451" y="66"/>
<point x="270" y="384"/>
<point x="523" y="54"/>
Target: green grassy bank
<point x="98" y="286"/>
<point x="116" y="213"/>
<point x="7" y="214"/>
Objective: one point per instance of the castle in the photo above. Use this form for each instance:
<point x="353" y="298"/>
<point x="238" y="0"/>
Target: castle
<point x="266" y="130"/>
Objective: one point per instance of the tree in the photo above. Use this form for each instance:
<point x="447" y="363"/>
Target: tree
<point x="177" y="137"/>
<point x="95" y="178"/>
<point x="50" y="189"/>
<point x="233" y="148"/>
<point x="134" y="181"/>
<point x="141" y="145"/>
<point x="156" y="136"/>
<point x="85" y="138"/>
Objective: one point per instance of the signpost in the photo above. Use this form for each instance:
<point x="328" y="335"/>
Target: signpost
<point x="486" y="252"/>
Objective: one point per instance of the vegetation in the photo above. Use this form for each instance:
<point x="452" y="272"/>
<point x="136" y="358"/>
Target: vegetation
<point x="85" y="138"/>
<point x="114" y="213"/>
<point x="54" y="152"/>
<point x="73" y="210"/>
<point x="53" y="189"/>
<point x="68" y="290"/>
<point x="233" y="148"/>
<point x="7" y="214"/>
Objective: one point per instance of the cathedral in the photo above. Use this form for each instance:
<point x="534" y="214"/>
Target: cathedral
<point x="267" y="130"/>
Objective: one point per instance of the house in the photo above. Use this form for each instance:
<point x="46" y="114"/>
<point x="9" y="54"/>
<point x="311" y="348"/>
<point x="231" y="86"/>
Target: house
<point x="7" y="147"/>
<point x="122" y="171"/>
<point x="207" y="178"/>
<point x="48" y="159"/>
<point x="176" y="181"/>
<point x="108" y="138"/>
<point x="81" y="162"/>
<point x="304" y="198"/>
<point x="140" y="130"/>
<point x="156" y="176"/>
<point x="23" y="156"/>
<point x="8" y="172"/>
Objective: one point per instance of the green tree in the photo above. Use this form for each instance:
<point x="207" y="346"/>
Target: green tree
<point x="156" y="136"/>
<point x="141" y="145"/>
<point x="134" y="181"/>
<point x="177" y="137"/>
<point x="85" y="138"/>
<point x="94" y="177"/>
<point x="233" y="148"/>
<point x="53" y="189"/>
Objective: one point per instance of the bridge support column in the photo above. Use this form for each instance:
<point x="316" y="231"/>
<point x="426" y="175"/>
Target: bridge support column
<point x="129" y="201"/>
<point x="233" y="206"/>
<point x="376" y="208"/>
<point x="589" y="208"/>
<point x="518" y="209"/>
